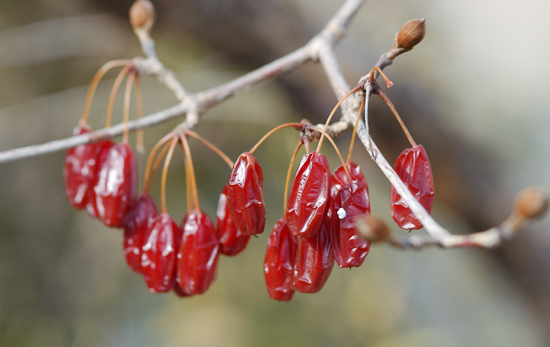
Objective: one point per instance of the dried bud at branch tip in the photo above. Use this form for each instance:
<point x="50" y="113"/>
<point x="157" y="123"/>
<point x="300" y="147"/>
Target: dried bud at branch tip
<point x="142" y="15"/>
<point x="372" y="228"/>
<point x="411" y="33"/>
<point x="531" y="203"/>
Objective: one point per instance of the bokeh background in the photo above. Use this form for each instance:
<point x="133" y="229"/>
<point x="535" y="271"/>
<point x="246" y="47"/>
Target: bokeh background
<point x="474" y="93"/>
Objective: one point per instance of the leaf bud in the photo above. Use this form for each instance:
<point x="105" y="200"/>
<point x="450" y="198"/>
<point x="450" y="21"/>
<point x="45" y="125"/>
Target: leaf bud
<point x="142" y="15"/>
<point x="531" y="203"/>
<point x="372" y="228"/>
<point x="411" y="33"/>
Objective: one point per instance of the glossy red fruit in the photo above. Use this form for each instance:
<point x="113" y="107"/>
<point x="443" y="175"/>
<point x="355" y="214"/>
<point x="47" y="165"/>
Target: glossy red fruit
<point x="178" y="291"/>
<point x="116" y="184"/>
<point x="413" y="167"/>
<point x="245" y="195"/>
<point x="309" y="195"/>
<point x="314" y="261"/>
<point x="158" y="257"/>
<point x="279" y="262"/>
<point x="232" y="241"/>
<point x="136" y="224"/>
<point x="79" y="170"/>
<point x="348" y="247"/>
<point x="198" y="253"/>
<point x="101" y="152"/>
<point x="339" y="178"/>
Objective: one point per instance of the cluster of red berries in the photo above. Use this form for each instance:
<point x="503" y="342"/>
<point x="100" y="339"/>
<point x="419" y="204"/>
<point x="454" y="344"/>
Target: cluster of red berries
<point x="318" y="225"/>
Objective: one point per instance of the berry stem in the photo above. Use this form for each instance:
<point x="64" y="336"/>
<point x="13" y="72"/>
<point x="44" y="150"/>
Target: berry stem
<point x="286" y="125"/>
<point x="394" y="111"/>
<point x="165" y="173"/>
<point x="355" y="128"/>
<point x="373" y="77"/>
<point x="332" y="114"/>
<point x="93" y="86"/>
<point x="288" y="177"/>
<point x="114" y="90"/>
<point x="339" y="155"/>
<point x="126" y="113"/>
<point x="147" y="175"/>
<point x="139" y="110"/>
<point x="211" y="146"/>
<point x="187" y="151"/>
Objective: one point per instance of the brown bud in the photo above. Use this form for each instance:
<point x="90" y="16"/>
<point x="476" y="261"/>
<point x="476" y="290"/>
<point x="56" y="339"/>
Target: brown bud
<point x="372" y="228"/>
<point x="531" y="203"/>
<point x="142" y="15"/>
<point x="411" y="33"/>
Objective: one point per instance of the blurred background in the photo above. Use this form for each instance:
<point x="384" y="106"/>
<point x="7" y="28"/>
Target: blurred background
<point x="474" y="93"/>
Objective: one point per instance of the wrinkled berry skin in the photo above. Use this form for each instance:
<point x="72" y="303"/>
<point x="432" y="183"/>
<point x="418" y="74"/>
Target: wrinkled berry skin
<point x="348" y="247"/>
<point x="309" y="195"/>
<point x="79" y="170"/>
<point x="413" y="167"/>
<point x="245" y="195"/>
<point x="339" y="178"/>
<point x="136" y="224"/>
<point x="198" y="254"/>
<point x="279" y="262"/>
<point x="116" y="185"/>
<point x="232" y="241"/>
<point x="101" y="152"/>
<point x="314" y="261"/>
<point x="158" y="254"/>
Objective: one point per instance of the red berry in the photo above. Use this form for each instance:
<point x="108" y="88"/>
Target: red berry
<point x="314" y="261"/>
<point x="136" y="224"/>
<point x="198" y="253"/>
<point x="245" y="195"/>
<point x="116" y="185"/>
<point x="339" y="178"/>
<point x="279" y="262"/>
<point x="232" y="241"/>
<point x="79" y="170"/>
<point x="158" y="259"/>
<point x="413" y="167"/>
<point x="309" y="195"/>
<point x="348" y="247"/>
<point x="101" y="152"/>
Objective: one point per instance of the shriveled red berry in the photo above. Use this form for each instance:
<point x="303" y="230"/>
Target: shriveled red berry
<point x="79" y="170"/>
<point x="198" y="253"/>
<point x="116" y="185"/>
<point x="339" y="178"/>
<point x="314" y="261"/>
<point x="136" y="224"/>
<point x="309" y="195"/>
<point x="245" y="195"/>
<point x="413" y="167"/>
<point x="232" y="241"/>
<point x="158" y="257"/>
<point x="279" y="262"/>
<point x="101" y="153"/>
<point x="348" y="247"/>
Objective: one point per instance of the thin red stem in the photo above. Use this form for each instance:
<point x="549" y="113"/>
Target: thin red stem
<point x="355" y="128"/>
<point x="114" y="90"/>
<point x="286" y="125"/>
<point x="394" y="111"/>
<point x="373" y="77"/>
<point x="194" y="192"/>
<point x="147" y="175"/>
<point x="339" y="156"/>
<point x="139" y="110"/>
<point x="126" y="113"/>
<point x="288" y="177"/>
<point x="211" y="146"/>
<point x="93" y="86"/>
<point x="332" y="114"/>
<point x="165" y="173"/>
